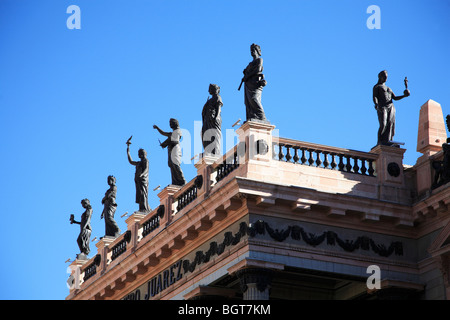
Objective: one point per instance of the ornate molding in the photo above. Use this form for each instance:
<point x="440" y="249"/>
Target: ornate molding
<point x="393" y="169"/>
<point x="297" y="233"/>
<point x="216" y="248"/>
<point x="332" y="238"/>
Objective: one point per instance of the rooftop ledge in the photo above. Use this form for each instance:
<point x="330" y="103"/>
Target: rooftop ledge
<point x="272" y="170"/>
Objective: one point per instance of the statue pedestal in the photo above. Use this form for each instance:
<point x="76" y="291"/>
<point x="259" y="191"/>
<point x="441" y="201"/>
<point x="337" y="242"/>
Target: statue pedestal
<point x="204" y="169"/>
<point x="389" y="164"/>
<point x="82" y="257"/>
<point x="133" y="226"/>
<point x="390" y="174"/>
<point x="257" y="155"/>
<point x="166" y="199"/>
<point x="257" y="136"/>
<point x="74" y="281"/>
<point x="102" y="249"/>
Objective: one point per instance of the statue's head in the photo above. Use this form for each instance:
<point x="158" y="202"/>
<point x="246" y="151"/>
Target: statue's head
<point x="85" y="203"/>
<point x="255" y="48"/>
<point x="111" y="180"/>
<point x="174" y="123"/>
<point x="382" y="76"/>
<point x="142" y="153"/>
<point x="214" y="89"/>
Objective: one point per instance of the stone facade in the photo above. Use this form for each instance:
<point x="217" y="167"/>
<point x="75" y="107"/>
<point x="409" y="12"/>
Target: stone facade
<point x="276" y="218"/>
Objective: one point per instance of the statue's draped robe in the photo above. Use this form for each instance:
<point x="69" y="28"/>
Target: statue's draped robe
<point x="212" y="124"/>
<point x="253" y="90"/>
<point x="85" y="231"/>
<point x="110" y="206"/>
<point x="141" y="182"/>
<point x="174" y="157"/>
<point x="386" y="113"/>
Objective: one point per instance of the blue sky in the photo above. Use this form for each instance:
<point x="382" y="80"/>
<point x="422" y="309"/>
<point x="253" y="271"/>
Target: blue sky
<point x="69" y="99"/>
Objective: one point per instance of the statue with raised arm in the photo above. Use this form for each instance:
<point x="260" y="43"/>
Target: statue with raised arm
<point x="140" y="177"/>
<point x="212" y="122"/>
<point x="85" y="229"/>
<point x="383" y="97"/>
<point x="109" y="208"/>
<point x="254" y="83"/>
<point x="172" y="143"/>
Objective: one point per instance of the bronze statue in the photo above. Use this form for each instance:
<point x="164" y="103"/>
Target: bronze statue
<point x="382" y="97"/>
<point x="442" y="167"/>
<point x="212" y="122"/>
<point x="174" y="151"/>
<point x="85" y="229"/>
<point x="254" y="83"/>
<point x="140" y="177"/>
<point x="110" y="206"/>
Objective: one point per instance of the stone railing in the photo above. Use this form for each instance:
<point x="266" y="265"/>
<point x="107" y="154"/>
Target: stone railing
<point x="121" y="246"/>
<point x="91" y="269"/>
<point x="325" y="157"/>
<point x="174" y="200"/>
<point x="154" y="222"/>
<point x="188" y="193"/>
<point x="227" y="164"/>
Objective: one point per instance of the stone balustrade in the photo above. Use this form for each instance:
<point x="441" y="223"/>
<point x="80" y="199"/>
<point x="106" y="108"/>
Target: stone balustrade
<point x="177" y="200"/>
<point x="325" y="157"/>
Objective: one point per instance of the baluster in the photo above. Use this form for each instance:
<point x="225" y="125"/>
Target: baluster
<point x="341" y="162"/>
<point x="310" y="160"/>
<point x="325" y="159"/>
<point x="363" y="166"/>
<point x="296" y="157"/>
<point x="355" y="166"/>
<point x="348" y="165"/>
<point x="303" y="159"/>
<point x="318" y="161"/>
<point x="288" y="153"/>
<point x="280" y="154"/>
<point x="371" y="169"/>
<point x="333" y="161"/>
<point x="230" y="167"/>
<point x="218" y="174"/>
<point x="222" y="170"/>
<point x="274" y="155"/>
